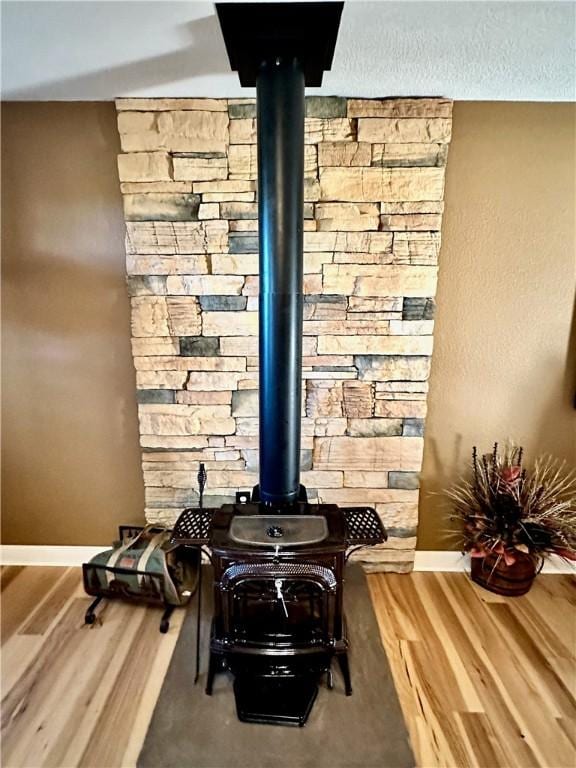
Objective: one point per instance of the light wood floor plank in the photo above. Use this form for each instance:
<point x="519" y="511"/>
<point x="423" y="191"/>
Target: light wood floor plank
<point x="483" y="681"/>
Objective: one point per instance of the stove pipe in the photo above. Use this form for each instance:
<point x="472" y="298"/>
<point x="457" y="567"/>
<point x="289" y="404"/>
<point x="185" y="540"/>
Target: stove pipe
<point x="280" y="125"/>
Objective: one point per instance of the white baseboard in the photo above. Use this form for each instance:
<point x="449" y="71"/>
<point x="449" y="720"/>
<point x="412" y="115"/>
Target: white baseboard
<point x="434" y="560"/>
<point x="442" y="561"/>
<point x="15" y="554"/>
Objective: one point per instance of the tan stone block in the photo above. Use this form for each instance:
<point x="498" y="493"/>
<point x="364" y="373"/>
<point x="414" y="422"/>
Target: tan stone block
<point x="326" y="427"/>
<point x="229" y="187"/>
<point x="243" y="131"/>
<point x="416" y="248"/>
<point x="361" y="479"/>
<point x="415" y="222"/>
<point x="399" y="108"/>
<point x="157" y="345"/>
<point x="376" y="454"/>
<point x="161" y="379"/>
<point x="235" y="264"/>
<point x="409" y="155"/>
<point x="313" y="479"/>
<point x="176" y="237"/>
<point x="347" y="216"/>
<point x="411" y="327"/>
<point x="173" y="441"/>
<point x="375" y="345"/>
<point x="244" y="225"/>
<point x="400" y="409"/>
<point x="200" y="168"/>
<point x="336" y="375"/>
<point x="357" y="399"/>
<point x="150" y="316"/>
<point x="183" y="316"/>
<point x="232" y="479"/>
<point x="363" y="258"/>
<point x="185" y="420"/>
<point x="361" y="496"/>
<point x="226" y="197"/>
<point x="208" y="211"/>
<point x="327" y="360"/>
<point x="393" y="368"/>
<point x="345" y="327"/>
<point x="248" y="345"/>
<point x="379" y="280"/>
<point x="399" y="514"/>
<point x="175" y="131"/>
<point x="220" y="324"/>
<point x="311" y="189"/>
<point x="313" y="261"/>
<point x="361" y="242"/>
<point x="322" y="400"/>
<point x="169" y="105"/>
<point x="317" y="129"/>
<point x="375" y="304"/>
<point x="145" y="166"/>
<point x="203" y="398"/>
<point x="312" y="284"/>
<point x="146" y="187"/>
<point x="207" y="285"/>
<point x="426" y="206"/>
<point x="405" y="130"/>
<point x="192" y="264"/>
<point x="384" y="387"/>
<point x="189" y="363"/>
<point x="381" y="184"/>
<point x="204" y="381"/>
<point x="344" y="153"/>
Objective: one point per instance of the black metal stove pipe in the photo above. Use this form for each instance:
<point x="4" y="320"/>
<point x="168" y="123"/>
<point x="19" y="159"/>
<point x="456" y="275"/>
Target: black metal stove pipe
<point x="280" y="113"/>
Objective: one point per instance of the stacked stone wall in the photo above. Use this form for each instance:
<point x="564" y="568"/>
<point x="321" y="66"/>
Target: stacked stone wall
<point x="374" y="188"/>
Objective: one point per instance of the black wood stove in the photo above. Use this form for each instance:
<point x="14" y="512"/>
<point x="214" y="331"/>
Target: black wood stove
<point x="279" y="560"/>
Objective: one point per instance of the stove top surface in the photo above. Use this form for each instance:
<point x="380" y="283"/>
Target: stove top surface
<point x="278" y="530"/>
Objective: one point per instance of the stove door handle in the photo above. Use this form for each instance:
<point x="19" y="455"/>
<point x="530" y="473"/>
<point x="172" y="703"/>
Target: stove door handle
<point x="280" y="595"/>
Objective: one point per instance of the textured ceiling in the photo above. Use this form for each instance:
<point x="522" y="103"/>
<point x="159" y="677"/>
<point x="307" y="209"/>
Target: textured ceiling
<point x="517" y="51"/>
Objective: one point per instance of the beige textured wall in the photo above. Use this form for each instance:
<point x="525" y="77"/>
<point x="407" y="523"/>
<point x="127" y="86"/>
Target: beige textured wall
<point x="71" y="469"/>
<point x="501" y="365"/>
<point x="70" y="439"/>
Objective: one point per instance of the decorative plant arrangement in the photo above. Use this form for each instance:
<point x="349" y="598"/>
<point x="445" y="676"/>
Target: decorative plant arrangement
<point x="513" y="517"/>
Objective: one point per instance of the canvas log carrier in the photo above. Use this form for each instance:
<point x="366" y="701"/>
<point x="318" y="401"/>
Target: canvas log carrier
<point x="143" y="566"/>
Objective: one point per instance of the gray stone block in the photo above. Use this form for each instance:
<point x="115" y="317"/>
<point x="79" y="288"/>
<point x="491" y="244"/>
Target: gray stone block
<point x="418" y="308"/>
<point x="240" y="111"/>
<point x="223" y="303"/>
<point x="161" y="207"/>
<point x="413" y="428"/>
<point x="148" y="396"/>
<point x="325" y="106"/>
<point x="408" y="481"/>
<point x="199" y="346"/>
<point x="146" y="285"/>
<point x="242" y="243"/>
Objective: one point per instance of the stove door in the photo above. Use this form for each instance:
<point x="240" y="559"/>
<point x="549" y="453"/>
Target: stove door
<point x="281" y="607"/>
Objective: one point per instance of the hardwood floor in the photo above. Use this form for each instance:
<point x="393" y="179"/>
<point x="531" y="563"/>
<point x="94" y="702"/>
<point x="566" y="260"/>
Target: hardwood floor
<point x="484" y="682"/>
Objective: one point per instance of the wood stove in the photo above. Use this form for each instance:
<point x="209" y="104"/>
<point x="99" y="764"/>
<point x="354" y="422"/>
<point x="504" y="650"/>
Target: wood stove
<point x="279" y="560"/>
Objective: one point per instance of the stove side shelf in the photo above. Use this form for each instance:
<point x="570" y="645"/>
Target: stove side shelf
<point x="193" y="527"/>
<point x="363" y="527"/>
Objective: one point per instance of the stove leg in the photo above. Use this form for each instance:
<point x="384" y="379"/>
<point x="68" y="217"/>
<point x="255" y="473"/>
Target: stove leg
<point x="213" y="666"/>
<point x="345" y="669"/>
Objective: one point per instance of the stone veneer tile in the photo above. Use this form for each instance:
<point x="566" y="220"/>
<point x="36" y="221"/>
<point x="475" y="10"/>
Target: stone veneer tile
<point x="374" y="185"/>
